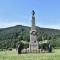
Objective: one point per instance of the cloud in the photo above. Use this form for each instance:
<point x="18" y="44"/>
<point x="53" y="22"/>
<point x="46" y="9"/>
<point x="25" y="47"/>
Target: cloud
<point x="53" y="26"/>
<point x="7" y="24"/>
<point x="10" y="24"/>
<point x="50" y="26"/>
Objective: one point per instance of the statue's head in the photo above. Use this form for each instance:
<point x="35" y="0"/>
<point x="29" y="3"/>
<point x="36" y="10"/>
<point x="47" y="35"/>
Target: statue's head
<point x="33" y="13"/>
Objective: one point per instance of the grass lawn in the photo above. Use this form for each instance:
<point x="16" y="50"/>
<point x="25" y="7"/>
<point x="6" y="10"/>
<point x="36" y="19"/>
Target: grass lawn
<point x="12" y="55"/>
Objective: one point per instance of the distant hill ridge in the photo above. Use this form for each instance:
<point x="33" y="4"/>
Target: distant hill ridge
<point x="9" y="37"/>
<point x="13" y="32"/>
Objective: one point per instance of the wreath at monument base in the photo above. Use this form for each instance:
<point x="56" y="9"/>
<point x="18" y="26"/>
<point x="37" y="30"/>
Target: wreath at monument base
<point x="33" y="32"/>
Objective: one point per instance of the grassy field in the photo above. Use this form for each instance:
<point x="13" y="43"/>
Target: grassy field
<point x="12" y="55"/>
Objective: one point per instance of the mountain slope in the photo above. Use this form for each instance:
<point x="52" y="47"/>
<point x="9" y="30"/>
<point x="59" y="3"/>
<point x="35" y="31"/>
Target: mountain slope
<point x="10" y="36"/>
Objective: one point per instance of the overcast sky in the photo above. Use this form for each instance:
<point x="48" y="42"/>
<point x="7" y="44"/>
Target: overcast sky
<point x="18" y="12"/>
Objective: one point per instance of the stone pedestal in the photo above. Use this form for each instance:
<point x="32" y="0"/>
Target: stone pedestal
<point x="33" y="47"/>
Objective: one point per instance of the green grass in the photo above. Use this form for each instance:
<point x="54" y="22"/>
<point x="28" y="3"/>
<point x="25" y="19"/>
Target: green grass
<point x="12" y="55"/>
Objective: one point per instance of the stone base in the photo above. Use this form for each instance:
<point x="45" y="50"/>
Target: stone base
<point x="33" y="46"/>
<point x="31" y="51"/>
<point x="34" y="51"/>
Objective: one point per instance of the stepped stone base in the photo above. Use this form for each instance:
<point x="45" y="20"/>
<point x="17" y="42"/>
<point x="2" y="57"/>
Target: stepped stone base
<point x="31" y="51"/>
<point x="33" y="47"/>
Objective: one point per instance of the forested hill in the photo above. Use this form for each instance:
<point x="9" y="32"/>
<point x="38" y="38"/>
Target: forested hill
<point x="10" y="36"/>
<point x="23" y="31"/>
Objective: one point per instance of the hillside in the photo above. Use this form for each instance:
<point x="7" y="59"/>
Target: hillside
<point x="9" y="36"/>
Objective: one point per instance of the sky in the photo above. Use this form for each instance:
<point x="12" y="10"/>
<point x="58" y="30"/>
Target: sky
<point x="18" y="12"/>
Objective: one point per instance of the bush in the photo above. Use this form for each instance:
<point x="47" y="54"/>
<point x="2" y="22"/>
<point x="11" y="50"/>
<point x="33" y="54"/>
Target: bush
<point x="55" y="43"/>
<point x="10" y="49"/>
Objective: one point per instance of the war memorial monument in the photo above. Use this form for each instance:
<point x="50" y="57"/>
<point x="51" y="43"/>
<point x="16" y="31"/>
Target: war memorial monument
<point x="34" y="47"/>
<point x="33" y="44"/>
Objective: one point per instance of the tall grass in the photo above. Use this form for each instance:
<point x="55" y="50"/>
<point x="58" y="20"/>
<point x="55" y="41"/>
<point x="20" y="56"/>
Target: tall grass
<point x="12" y="55"/>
